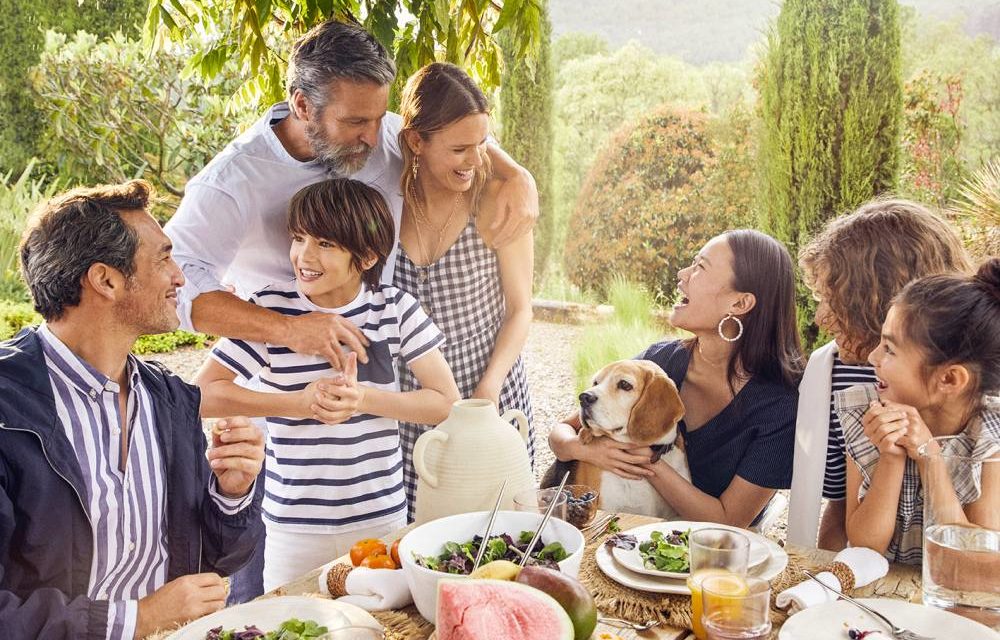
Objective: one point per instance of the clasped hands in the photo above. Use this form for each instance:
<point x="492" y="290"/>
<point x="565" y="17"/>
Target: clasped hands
<point x="895" y="429"/>
<point x="334" y="400"/>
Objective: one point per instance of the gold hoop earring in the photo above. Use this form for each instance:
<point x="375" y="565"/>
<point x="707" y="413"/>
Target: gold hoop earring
<point x="739" y="333"/>
<point x="416" y="165"/>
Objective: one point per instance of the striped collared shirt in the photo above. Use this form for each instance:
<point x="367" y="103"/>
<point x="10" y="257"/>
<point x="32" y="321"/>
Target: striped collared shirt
<point x="126" y="509"/>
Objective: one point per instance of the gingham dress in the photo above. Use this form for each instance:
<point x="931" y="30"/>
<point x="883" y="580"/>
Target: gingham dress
<point x="981" y="436"/>
<point x="462" y="294"/>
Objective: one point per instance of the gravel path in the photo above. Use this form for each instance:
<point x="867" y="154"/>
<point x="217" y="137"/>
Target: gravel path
<point x="549" y="361"/>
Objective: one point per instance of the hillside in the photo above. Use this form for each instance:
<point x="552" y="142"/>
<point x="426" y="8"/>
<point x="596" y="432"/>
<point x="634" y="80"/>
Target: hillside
<point x="701" y="31"/>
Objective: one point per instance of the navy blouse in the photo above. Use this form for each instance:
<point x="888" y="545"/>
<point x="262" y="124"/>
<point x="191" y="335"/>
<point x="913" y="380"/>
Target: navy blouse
<point x="752" y="437"/>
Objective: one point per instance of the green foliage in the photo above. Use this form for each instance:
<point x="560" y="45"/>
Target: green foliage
<point x="256" y="35"/>
<point x="572" y="46"/>
<point x="22" y="29"/>
<point x="978" y="207"/>
<point x="526" y="113"/>
<point x="167" y="342"/>
<point x="15" y="316"/>
<point x="627" y="334"/>
<point x="830" y="98"/>
<point x="17" y="200"/>
<point x="598" y="92"/>
<point x="110" y="115"/>
<point x="660" y="189"/>
<point x="932" y="135"/>
<point x="943" y="50"/>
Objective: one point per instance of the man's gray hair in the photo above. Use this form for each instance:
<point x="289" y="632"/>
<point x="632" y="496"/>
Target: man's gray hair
<point x="73" y="231"/>
<point x="335" y="51"/>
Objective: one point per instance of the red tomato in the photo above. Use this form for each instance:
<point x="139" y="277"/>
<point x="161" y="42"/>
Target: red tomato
<point x="394" y="553"/>
<point x="364" y="548"/>
<point x="378" y="561"/>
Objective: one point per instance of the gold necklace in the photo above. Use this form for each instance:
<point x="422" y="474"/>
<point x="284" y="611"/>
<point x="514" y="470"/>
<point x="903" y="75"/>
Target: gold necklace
<point x="421" y="219"/>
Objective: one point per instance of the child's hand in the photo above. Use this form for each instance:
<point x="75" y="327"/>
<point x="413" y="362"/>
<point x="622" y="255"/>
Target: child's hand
<point x="917" y="432"/>
<point x="885" y="426"/>
<point x="341" y="397"/>
<point x="312" y="395"/>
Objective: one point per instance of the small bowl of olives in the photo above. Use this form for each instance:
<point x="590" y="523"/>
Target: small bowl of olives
<point x="581" y="504"/>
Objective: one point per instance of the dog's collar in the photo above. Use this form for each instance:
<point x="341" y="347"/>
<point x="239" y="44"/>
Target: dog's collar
<point x="661" y="450"/>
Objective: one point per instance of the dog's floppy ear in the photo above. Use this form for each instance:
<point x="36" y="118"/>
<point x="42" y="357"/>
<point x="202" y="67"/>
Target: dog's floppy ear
<point x="658" y="408"/>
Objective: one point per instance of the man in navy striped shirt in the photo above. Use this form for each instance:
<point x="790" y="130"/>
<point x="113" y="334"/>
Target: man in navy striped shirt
<point x="112" y="522"/>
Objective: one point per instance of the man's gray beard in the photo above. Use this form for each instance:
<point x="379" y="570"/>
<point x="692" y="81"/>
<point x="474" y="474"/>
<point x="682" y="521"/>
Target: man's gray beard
<point x="339" y="159"/>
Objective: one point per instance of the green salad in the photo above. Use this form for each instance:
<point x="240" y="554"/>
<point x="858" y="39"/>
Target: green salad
<point x="666" y="551"/>
<point x="458" y="558"/>
<point x="291" y="629"/>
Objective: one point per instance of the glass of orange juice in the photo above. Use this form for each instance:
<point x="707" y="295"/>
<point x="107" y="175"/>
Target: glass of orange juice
<point x="713" y="552"/>
<point x="736" y="607"/>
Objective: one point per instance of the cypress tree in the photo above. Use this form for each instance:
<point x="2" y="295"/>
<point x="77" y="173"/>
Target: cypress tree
<point x="831" y="101"/>
<point x="526" y="126"/>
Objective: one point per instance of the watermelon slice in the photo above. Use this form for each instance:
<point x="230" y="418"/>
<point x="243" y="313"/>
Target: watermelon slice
<point x="496" y="609"/>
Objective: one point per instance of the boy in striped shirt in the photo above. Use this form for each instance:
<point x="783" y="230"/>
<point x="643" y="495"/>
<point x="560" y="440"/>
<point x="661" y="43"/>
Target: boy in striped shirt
<point x="327" y="487"/>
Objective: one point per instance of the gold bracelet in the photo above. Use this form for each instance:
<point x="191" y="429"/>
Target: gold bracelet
<point x="336" y="579"/>
<point x="843" y="574"/>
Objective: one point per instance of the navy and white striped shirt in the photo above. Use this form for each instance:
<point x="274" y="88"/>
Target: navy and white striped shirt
<point x="334" y="479"/>
<point x="842" y="376"/>
<point x="126" y="509"/>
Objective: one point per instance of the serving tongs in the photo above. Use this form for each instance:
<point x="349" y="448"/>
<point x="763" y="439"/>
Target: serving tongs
<point x="545" y="521"/>
<point x="489" y="527"/>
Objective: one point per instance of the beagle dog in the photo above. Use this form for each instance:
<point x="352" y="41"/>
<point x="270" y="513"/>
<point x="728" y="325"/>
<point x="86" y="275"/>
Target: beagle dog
<point x="631" y="401"/>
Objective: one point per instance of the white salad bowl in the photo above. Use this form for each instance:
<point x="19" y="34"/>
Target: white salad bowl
<point x="429" y="539"/>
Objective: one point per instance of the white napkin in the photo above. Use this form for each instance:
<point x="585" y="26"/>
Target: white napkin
<point x="372" y="589"/>
<point x="867" y="564"/>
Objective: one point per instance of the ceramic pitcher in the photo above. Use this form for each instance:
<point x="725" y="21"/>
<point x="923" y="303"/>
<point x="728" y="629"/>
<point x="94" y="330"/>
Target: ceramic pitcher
<point x="462" y="462"/>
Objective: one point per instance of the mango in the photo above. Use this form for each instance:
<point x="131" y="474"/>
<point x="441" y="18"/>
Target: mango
<point x="569" y="593"/>
<point x="497" y="570"/>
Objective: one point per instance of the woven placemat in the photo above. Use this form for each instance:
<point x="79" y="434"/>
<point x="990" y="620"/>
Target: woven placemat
<point x="619" y="601"/>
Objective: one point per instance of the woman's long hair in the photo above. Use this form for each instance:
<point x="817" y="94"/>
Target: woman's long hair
<point x="434" y="97"/>
<point x="769" y="347"/>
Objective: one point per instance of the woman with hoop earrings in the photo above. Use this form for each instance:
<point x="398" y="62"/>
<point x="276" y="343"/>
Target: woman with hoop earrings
<point x="737" y="375"/>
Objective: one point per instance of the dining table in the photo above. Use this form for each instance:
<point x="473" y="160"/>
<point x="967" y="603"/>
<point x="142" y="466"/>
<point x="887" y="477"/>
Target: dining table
<point x="902" y="582"/>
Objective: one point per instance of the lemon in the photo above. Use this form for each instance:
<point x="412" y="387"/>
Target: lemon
<point x="497" y="570"/>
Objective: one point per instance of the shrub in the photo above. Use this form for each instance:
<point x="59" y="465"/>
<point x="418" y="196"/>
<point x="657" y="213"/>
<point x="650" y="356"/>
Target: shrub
<point x="660" y="189"/>
<point x="15" y="316"/>
<point x="630" y="330"/>
<point x="932" y="135"/>
<point x="978" y="209"/>
<point x="17" y="200"/>
<point x="111" y="115"/>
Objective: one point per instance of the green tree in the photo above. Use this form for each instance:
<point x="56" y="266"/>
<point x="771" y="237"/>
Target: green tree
<point x="658" y="191"/>
<point x="110" y="116"/>
<point x="526" y="120"/>
<point x="22" y="37"/>
<point x="257" y="34"/>
<point x="831" y="103"/>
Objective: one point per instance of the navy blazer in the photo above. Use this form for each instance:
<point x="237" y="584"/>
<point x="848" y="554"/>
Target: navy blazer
<point x="46" y="539"/>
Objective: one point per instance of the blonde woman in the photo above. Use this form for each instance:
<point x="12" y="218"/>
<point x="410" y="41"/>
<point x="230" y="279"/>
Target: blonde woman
<point x="479" y="297"/>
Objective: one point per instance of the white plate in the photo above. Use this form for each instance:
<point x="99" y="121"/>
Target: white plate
<point x="269" y="613"/>
<point x="631" y="559"/>
<point x="831" y="621"/>
<point x="776" y="562"/>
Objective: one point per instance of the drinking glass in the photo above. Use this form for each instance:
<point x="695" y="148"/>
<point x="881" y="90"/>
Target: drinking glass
<point x="538" y="500"/>
<point x="961" y="561"/>
<point x="713" y="551"/>
<point x="736" y="607"/>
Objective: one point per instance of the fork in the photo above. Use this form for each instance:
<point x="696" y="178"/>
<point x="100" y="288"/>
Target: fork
<point x="626" y="624"/>
<point x="897" y="632"/>
<point x="597" y="532"/>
